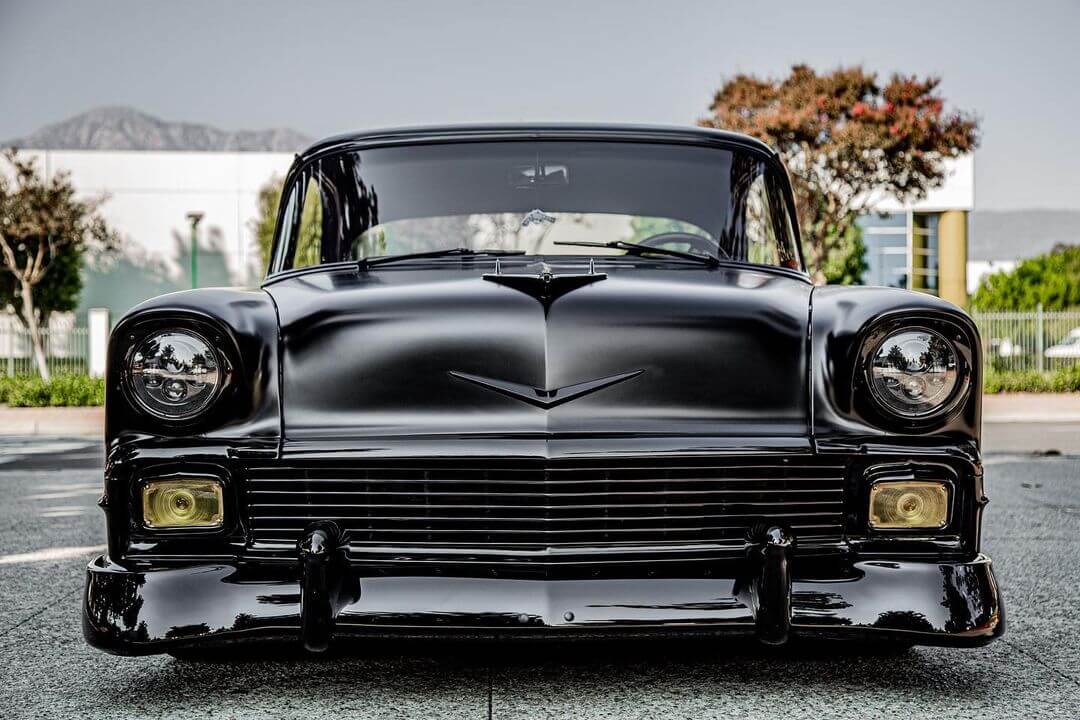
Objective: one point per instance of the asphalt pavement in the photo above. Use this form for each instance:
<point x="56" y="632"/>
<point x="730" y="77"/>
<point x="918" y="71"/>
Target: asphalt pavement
<point x="50" y="527"/>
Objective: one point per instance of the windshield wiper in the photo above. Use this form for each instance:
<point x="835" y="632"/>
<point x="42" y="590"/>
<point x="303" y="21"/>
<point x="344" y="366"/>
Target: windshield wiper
<point x="365" y="263"/>
<point x="639" y="250"/>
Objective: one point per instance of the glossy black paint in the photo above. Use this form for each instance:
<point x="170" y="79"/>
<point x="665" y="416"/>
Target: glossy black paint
<point x="844" y="318"/>
<point x="542" y="283"/>
<point x="930" y="603"/>
<point x="244" y="323"/>
<point x="545" y="397"/>
<point x="324" y="587"/>
<point x="770" y="589"/>
<point x="722" y="351"/>
<point x="431" y="361"/>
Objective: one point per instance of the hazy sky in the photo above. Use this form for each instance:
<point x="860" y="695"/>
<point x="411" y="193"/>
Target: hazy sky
<point x="328" y="67"/>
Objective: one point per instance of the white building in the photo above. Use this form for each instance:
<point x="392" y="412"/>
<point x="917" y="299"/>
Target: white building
<point x="149" y="195"/>
<point x="924" y="246"/>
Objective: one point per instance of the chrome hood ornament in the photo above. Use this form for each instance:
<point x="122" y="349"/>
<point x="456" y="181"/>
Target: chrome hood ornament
<point x="545" y="285"/>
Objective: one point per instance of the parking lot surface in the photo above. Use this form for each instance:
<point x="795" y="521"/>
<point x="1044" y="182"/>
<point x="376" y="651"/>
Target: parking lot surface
<point x="50" y="527"/>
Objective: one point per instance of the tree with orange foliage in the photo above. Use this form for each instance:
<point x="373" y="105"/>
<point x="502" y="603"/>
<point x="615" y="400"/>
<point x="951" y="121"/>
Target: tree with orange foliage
<point x="847" y="142"/>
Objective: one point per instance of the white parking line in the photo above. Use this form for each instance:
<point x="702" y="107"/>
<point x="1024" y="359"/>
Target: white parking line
<point x="39" y="448"/>
<point x="56" y="553"/>
<point x="49" y="487"/>
<point x="74" y="492"/>
<point x="63" y="511"/>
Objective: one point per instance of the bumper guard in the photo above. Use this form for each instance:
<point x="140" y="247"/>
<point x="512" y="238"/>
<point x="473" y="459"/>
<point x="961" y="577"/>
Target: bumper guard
<point x="132" y="610"/>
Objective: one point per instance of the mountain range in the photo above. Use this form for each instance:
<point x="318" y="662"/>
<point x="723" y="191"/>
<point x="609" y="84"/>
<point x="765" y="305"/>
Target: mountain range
<point x="994" y="234"/>
<point x="125" y="128"/>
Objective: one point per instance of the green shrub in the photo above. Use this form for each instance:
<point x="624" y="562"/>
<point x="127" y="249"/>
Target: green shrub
<point x="1052" y="280"/>
<point x="6" y="386"/>
<point x="61" y="391"/>
<point x="1015" y="381"/>
<point x="84" y="391"/>
<point x="1064" y="380"/>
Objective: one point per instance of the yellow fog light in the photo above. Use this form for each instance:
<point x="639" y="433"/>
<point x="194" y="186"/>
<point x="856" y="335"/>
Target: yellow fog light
<point x="909" y="505"/>
<point x="182" y="503"/>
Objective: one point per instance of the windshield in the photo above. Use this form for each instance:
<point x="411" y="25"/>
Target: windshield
<point x="542" y="197"/>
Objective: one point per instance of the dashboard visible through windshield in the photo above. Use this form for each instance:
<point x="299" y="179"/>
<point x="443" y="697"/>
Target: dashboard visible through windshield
<point x="537" y="232"/>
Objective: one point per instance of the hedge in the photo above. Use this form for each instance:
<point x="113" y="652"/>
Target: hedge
<point x="82" y="391"/>
<point x="1064" y="380"/>
<point x="62" y="390"/>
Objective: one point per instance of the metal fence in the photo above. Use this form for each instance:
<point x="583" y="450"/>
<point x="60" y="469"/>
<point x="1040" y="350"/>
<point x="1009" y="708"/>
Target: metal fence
<point x="67" y="348"/>
<point x="1040" y="341"/>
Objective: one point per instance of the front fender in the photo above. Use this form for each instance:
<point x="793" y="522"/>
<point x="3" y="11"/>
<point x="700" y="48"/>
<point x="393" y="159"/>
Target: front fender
<point x="243" y="324"/>
<point x="842" y="412"/>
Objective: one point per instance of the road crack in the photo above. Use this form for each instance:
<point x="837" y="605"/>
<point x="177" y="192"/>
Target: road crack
<point x="39" y="611"/>
<point x="1040" y="661"/>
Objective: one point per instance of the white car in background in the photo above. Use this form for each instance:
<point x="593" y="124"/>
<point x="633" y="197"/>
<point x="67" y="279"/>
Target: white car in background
<point x="1006" y="348"/>
<point x="1067" y="348"/>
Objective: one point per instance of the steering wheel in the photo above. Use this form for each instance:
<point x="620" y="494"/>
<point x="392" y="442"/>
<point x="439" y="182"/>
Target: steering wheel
<point x="699" y="244"/>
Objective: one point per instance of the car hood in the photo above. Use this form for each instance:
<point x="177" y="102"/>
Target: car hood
<point x="635" y="348"/>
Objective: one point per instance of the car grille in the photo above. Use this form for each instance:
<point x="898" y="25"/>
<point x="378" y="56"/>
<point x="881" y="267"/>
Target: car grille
<point x="549" y="509"/>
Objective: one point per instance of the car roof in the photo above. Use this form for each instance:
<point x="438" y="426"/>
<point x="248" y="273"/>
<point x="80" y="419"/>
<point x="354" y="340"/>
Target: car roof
<point x="561" y="131"/>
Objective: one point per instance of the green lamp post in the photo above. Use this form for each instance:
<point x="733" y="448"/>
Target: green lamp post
<point x="194" y="218"/>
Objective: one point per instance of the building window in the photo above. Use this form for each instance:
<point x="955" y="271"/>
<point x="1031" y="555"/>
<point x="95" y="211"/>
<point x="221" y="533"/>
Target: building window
<point x="901" y="250"/>
<point x="924" y="252"/>
<point x="885" y="236"/>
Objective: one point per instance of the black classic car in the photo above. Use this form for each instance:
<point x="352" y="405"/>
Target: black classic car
<point x="541" y="381"/>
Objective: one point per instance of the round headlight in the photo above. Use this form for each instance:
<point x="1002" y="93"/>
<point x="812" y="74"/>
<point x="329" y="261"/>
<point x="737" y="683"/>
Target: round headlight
<point x="914" y="373"/>
<point x="174" y="375"/>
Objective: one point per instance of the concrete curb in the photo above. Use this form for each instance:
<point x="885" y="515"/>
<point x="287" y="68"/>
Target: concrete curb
<point x="1031" y="408"/>
<point x="53" y="421"/>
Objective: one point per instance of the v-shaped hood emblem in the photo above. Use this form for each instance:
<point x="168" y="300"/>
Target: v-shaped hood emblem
<point x="542" y="397"/>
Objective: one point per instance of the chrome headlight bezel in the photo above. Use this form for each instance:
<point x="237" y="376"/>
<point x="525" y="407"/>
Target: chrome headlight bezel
<point x="209" y="337"/>
<point x="963" y="351"/>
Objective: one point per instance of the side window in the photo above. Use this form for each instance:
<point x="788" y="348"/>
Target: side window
<point x="759" y="228"/>
<point x="309" y="234"/>
<point x="761" y="240"/>
<point x="300" y="243"/>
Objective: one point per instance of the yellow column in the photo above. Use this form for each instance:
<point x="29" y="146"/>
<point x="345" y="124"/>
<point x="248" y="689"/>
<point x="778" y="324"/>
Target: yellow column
<point x="952" y="257"/>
